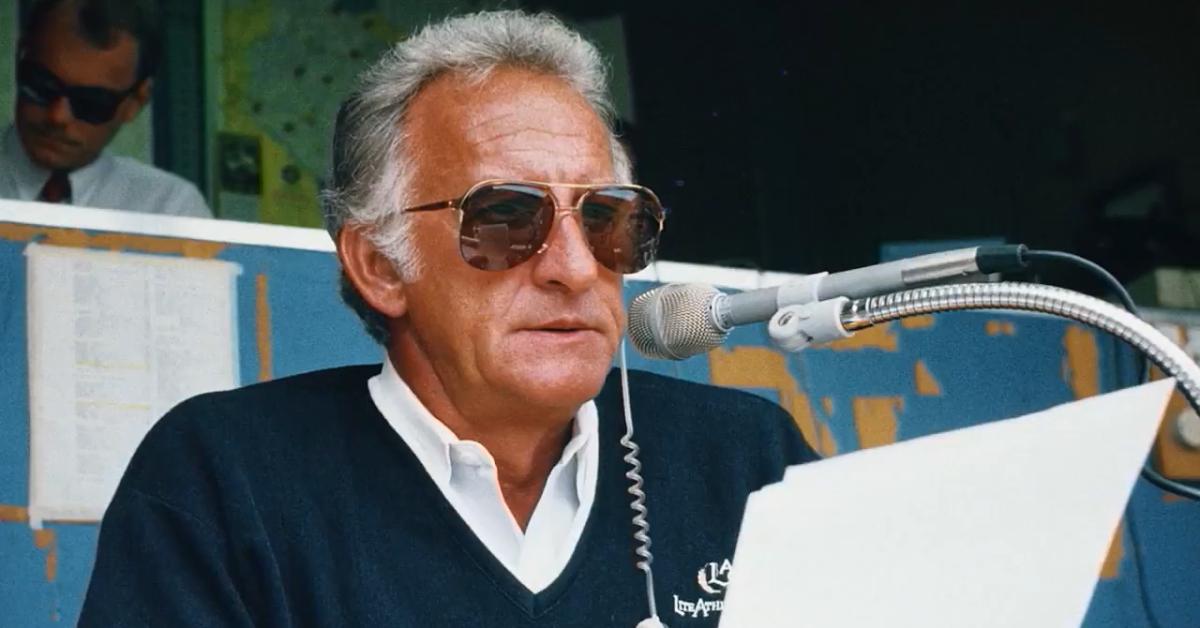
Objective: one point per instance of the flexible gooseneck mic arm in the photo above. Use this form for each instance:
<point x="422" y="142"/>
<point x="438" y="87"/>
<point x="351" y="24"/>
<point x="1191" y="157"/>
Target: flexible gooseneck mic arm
<point x="862" y="313"/>
<point x="796" y="327"/>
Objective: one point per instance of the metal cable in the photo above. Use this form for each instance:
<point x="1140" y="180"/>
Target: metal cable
<point x="1104" y="276"/>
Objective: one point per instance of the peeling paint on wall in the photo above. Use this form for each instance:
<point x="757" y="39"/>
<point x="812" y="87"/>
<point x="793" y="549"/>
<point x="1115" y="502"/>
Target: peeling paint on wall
<point x="46" y="541"/>
<point x="1116" y="551"/>
<point x="761" y="367"/>
<point x="875" y="420"/>
<point x="113" y="241"/>
<point x="1000" y="328"/>
<point x="1081" y="365"/>
<point x="13" y="514"/>
<point x="923" y="321"/>
<point x="927" y="384"/>
<point x="262" y="328"/>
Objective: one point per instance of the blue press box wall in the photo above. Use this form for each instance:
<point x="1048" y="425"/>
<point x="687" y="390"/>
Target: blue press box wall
<point x="982" y="377"/>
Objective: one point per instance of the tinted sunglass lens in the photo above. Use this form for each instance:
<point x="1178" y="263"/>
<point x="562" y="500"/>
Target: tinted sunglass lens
<point x="93" y="108"/>
<point x="32" y="94"/>
<point x="622" y="225"/>
<point x="35" y="86"/>
<point x="504" y="224"/>
<point x="94" y="105"/>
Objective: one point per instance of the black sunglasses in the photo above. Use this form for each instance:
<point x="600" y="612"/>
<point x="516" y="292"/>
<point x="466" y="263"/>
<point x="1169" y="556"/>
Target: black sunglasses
<point x="504" y="223"/>
<point x="94" y="105"/>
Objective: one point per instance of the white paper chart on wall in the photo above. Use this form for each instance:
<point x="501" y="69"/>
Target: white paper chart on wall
<point x="115" y="340"/>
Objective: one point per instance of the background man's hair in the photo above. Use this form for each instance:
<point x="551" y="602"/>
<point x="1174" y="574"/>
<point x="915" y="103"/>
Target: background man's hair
<point x="100" y="22"/>
<point x="372" y="166"/>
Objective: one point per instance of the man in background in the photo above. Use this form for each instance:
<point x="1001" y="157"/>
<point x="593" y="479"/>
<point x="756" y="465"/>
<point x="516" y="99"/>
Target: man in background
<point x="84" y="69"/>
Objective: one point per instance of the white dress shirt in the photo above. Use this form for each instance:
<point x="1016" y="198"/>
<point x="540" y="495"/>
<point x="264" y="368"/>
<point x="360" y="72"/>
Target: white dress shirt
<point x="466" y="474"/>
<point x="109" y="182"/>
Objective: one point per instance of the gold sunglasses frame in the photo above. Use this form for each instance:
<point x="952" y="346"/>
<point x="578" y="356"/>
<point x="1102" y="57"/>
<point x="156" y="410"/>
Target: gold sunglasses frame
<point x="559" y="210"/>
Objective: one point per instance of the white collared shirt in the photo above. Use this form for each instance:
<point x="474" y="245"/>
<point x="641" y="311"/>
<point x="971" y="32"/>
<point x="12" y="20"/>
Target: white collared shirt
<point x="466" y="474"/>
<point x="109" y="182"/>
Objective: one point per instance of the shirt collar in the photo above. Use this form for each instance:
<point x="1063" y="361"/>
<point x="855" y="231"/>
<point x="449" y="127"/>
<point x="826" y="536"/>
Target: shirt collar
<point x="30" y="177"/>
<point x="432" y="442"/>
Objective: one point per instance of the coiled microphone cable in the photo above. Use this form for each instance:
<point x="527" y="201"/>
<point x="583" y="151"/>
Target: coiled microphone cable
<point x="638" y="503"/>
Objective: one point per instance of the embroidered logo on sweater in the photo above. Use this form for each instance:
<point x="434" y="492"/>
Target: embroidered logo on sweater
<point x="712" y="579"/>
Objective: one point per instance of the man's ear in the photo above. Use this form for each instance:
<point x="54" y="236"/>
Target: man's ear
<point x="371" y="272"/>
<point x="134" y="103"/>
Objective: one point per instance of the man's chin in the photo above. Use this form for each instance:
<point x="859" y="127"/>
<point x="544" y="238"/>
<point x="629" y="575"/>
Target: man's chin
<point x="49" y="159"/>
<point x="556" y="386"/>
<point x="52" y="154"/>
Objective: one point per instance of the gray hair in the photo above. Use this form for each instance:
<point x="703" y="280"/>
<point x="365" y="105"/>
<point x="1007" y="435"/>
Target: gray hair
<point x="372" y="166"/>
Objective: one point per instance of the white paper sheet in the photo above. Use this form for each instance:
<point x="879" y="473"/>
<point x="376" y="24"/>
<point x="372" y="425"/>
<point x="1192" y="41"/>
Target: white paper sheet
<point x="115" y="340"/>
<point x="1000" y="525"/>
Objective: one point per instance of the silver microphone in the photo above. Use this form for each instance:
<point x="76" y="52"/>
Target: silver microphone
<point x="678" y="321"/>
<point x="674" y="322"/>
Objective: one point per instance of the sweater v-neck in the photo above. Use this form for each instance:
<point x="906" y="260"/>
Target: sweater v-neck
<point x="533" y="605"/>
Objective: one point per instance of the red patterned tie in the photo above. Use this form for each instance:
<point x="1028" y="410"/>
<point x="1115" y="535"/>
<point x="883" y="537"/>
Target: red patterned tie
<point x="57" y="188"/>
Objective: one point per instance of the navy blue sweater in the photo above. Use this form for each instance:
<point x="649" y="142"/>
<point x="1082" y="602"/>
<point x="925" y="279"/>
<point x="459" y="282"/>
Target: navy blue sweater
<point x="293" y="503"/>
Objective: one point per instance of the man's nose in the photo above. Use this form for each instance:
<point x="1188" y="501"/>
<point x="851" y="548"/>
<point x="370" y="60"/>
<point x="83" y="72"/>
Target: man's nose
<point x="59" y="112"/>
<point x="567" y="262"/>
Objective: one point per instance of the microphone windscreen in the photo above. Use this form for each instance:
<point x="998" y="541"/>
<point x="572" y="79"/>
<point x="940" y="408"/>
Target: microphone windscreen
<point x="675" y="321"/>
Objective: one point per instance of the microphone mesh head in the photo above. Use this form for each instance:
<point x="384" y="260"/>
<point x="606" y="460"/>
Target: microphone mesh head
<point x="675" y="321"/>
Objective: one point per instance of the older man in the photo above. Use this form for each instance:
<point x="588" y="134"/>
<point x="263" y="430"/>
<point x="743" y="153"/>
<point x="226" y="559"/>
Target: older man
<point x="483" y="221"/>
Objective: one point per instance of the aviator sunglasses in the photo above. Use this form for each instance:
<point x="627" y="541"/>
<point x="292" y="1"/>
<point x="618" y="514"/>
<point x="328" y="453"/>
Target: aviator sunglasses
<point x="94" y="105"/>
<point x="504" y="223"/>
